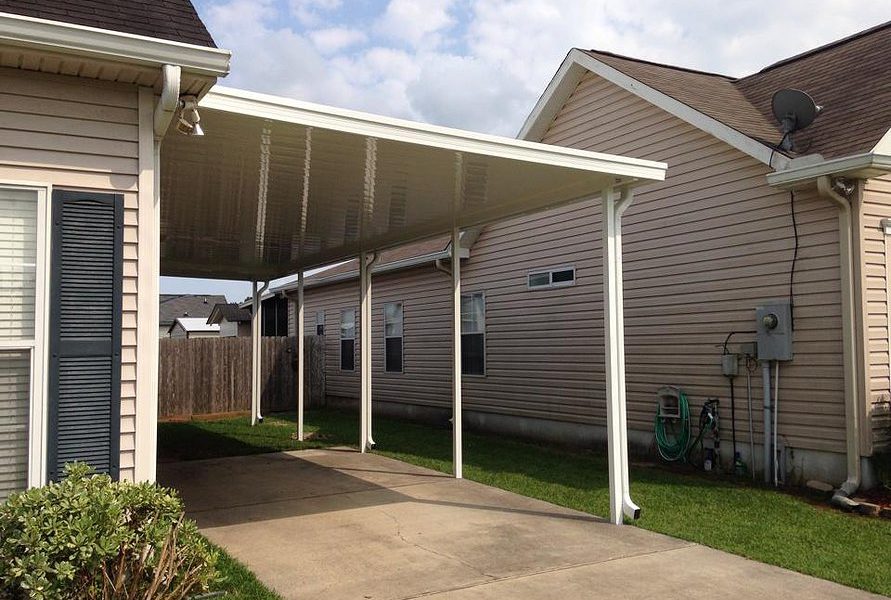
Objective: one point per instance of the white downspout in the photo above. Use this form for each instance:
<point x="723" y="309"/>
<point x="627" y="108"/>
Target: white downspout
<point x="150" y="250"/>
<point x="826" y="190"/>
<point x="365" y="321"/>
<point x="457" y="402"/>
<point x="629" y="508"/>
<point x="617" y="435"/>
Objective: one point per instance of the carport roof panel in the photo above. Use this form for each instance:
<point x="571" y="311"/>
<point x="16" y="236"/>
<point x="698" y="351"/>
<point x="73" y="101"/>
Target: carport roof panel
<point x="276" y="185"/>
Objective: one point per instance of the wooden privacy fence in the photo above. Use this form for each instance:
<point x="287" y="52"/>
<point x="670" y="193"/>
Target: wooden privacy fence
<point x="204" y="376"/>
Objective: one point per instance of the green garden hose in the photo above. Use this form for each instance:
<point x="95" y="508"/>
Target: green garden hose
<point x="673" y="433"/>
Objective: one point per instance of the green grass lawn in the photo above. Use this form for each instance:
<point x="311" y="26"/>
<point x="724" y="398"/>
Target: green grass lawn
<point x="759" y="523"/>
<point x="239" y="583"/>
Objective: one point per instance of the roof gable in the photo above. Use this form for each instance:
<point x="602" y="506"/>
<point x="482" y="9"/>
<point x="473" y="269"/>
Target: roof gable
<point x="849" y="78"/>
<point x="174" y="20"/>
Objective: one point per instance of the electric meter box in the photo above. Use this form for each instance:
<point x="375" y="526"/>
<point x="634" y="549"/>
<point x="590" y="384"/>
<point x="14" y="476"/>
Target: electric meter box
<point x="773" y="321"/>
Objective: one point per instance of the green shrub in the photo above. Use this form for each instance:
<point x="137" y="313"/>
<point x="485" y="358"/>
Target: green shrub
<point x="89" y="537"/>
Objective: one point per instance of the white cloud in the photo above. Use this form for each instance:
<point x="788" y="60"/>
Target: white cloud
<point x="335" y="39"/>
<point x="418" y="24"/>
<point x="485" y="67"/>
<point x="311" y="12"/>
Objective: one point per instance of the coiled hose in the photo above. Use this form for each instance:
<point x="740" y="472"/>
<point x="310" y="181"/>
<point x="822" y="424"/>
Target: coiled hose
<point x="674" y="439"/>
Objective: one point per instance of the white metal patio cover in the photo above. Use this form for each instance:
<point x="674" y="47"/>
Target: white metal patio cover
<point x="277" y="186"/>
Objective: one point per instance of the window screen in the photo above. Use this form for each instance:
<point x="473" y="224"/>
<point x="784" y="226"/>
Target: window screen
<point x="393" y="337"/>
<point x="550" y="278"/>
<point x="473" y="334"/>
<point x="348" y="339"/>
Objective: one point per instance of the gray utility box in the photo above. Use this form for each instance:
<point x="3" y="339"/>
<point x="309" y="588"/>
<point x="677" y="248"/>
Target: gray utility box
<point x="774" y="330"/>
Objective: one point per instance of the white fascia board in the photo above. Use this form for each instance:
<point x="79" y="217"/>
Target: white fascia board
<point x="348" y="121"/>
<point x="560" y="88"/>
<point x="859" y="166"/>
<point x="396" y="265"/>
<point x="92" y="42"/>
<point x="548" y="106"/>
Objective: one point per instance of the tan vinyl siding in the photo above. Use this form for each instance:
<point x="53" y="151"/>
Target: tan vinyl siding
<point x="700" y="251"/>
<point x="79" y="134"/>
<point x="426" y="375"/>
<point x="876" y="265"/>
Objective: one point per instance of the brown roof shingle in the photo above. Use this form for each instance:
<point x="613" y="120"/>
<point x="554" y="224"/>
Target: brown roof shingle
<point x="850" y="78"/>
<point x="174" y="20"/>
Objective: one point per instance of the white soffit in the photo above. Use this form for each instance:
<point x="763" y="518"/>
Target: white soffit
<point x="276" y="185"/>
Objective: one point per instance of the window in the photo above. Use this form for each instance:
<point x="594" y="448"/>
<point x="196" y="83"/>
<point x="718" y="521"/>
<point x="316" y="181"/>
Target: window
<point x="551" y="278"/>
<point x="348" y="339"/>
<point x="320" y="322"/>
<point x="473" y="334"/>
<point x="22" y="320"/>
<point x="393" y="337"/>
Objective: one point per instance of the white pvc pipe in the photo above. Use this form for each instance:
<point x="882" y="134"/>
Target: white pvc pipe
<point x="457" y="424"/>
<point x="301" y="373"/>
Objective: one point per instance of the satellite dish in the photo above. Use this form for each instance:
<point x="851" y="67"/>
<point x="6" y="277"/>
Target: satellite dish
<point x="795" y="110"/>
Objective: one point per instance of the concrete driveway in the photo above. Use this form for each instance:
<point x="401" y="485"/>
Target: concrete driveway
<point x="338" y="524"/>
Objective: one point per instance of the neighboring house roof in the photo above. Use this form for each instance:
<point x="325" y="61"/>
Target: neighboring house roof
<point x="174" y="20"/>
<point x="849" y="78"/>
<point x="194" y="325"/>
<point x="187" y="305"/>
<point x="406" y="256"/>
<point x="230" y="312"/>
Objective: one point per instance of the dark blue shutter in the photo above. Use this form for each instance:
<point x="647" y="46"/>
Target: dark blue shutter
<point x="85" y="331"/>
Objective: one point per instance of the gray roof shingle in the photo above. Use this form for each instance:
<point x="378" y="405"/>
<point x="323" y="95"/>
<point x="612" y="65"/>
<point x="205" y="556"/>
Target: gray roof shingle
<point x="174" y="306"/>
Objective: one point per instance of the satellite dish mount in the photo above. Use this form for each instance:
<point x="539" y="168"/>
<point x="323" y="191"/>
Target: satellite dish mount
<point x="794" y="110"/>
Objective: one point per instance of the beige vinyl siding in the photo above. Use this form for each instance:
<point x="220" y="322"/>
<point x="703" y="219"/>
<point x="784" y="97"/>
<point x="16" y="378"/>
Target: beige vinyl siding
<point x="700" y="251"/>
<point x="876" y="266"/>
<point x="79" y="134"/>
<point x="426" y="376"/>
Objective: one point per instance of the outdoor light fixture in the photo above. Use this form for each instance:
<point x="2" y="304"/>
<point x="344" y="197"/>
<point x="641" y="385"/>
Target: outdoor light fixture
<point x="189" y="122"/>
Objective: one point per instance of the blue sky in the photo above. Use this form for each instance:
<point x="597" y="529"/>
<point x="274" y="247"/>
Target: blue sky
<point x="482" y="64"/>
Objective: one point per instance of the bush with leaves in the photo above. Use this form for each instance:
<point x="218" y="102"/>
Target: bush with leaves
<point x="89" y="537"/>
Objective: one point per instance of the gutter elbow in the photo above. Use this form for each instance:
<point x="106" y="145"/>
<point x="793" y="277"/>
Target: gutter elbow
<point x="169" y="100"/>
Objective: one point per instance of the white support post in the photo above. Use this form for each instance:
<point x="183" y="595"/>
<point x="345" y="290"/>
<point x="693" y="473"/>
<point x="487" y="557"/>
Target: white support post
<point x="366" y="352"/>
<point x="364" y="375"/>
<point x="619" y="489"/>
<point x="256" y="331"/>
<point x="457" y="426"/>
<point x="301" y="372"/>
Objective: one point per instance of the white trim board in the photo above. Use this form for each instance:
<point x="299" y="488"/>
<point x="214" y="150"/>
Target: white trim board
<point x="276" y="108"/>
<point x="78" y="40"/>
<point x="572" y="70"/>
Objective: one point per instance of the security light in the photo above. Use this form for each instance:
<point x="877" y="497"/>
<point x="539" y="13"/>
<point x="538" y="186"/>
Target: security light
<point x="189" y="119"/>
